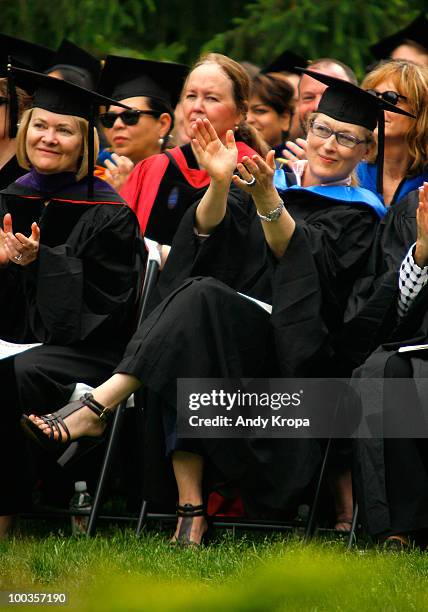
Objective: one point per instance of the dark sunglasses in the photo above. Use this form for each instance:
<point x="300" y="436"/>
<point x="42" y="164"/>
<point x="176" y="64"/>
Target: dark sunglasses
<point x="387" y="96"/>
<point x="129" y="117"/>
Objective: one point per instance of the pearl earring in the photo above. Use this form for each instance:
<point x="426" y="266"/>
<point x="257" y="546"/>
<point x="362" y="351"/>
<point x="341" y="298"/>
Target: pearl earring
<point x="161" y="141"/>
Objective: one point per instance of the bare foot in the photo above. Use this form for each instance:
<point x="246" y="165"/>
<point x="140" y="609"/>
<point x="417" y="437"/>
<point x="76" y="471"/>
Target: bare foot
<point x="343" y="524"/>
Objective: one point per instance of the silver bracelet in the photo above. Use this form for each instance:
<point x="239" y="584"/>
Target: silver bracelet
<point x="273" y="215"/>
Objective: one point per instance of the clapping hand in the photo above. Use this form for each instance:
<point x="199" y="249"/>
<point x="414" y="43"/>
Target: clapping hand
<point x="295" y="150"/>
<point x="17" y="248"/>
<point x="118" y="172"/>
<point x="257" y="176"/>
<point x="421" y="251"/>
<point x="257" y="179"/>
<point x="218" y="159"/>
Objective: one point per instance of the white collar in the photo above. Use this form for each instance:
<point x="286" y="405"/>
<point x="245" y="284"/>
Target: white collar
<point x="298" y="167"/>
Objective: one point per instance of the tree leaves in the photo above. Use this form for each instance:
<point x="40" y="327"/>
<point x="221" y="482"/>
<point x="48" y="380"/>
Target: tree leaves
<point x="343" y="29"/>
<point x="256" y="30"/>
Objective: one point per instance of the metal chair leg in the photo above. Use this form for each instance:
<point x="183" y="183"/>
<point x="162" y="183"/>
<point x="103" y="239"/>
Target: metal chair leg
<point x="142" y="518"/>
<point x="310" y="526"/>
<point x="351" y="537"/>
<point x="105" y="468"/>
<point x="150" y="278"/>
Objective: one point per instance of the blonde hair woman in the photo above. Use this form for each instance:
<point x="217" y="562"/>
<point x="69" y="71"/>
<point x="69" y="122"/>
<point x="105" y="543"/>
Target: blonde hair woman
<point x="67" y="269"/>
<point x="405" y="85"/>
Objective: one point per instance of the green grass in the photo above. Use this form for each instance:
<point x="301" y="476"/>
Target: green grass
<point x="117" y="571"/>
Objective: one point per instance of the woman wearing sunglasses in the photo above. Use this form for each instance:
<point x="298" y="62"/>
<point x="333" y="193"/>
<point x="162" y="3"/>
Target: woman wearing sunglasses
<point x="402" y="84"/>
<point x="151" y="89"/>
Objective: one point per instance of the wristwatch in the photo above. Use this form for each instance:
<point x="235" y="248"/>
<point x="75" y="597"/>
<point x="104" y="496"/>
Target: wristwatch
<point x="273" y="215"/>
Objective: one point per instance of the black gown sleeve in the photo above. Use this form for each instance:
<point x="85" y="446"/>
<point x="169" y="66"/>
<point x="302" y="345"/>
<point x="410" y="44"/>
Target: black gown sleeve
<point x="235" y="252"/>
<point x="371" y="313"/>
<point x="311" y="284"/>
<point x="85" y="288"/>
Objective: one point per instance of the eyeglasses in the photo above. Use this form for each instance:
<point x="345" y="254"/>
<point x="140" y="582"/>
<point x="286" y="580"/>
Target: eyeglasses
<point x="387" y="96"/>
<point x="323" y="131"/>
<point x="129" y="117"/>
<point x="3" y="100"/>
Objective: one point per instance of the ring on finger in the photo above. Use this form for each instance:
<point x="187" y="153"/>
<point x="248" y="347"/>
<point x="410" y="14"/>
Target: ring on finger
<point x="18" y="257"/>
<point x="252" y="182"/>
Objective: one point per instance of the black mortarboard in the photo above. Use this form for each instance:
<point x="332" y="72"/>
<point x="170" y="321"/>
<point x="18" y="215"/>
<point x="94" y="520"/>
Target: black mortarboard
<point x="417" y="31"/>
<point x="24" y="54"/>
<point x="349" y="103"/>
<point x="75" y="59"/>
<point x="286" y="62"/>
<point x="127" y="77"/>
<point x="65" y="98"/>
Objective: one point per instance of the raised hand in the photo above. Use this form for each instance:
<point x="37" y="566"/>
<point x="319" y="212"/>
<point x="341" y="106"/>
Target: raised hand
<point x="421" y="250"/>
<point x="261" y="171"/>
<point x="118" y="172"/>
<point x="295" y="150"/>
<point x="7" y="227"/>
<point x="257" y="179"/>
<point x="19" y="249"/>
<point x="218" y="159"/>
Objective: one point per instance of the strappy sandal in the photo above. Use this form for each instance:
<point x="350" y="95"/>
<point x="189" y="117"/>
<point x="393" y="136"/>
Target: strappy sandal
<point x="187" y="513"/>
<point x="55" y="421"/>
<point x="396" y="543"/>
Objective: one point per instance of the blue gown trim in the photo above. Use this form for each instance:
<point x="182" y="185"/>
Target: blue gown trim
<point x="349" y="195"/>
<point x="367" y="175"/>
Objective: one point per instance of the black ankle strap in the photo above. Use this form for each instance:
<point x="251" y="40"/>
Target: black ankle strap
<point x="88" y="400"/>
<point x="190" y="510"/>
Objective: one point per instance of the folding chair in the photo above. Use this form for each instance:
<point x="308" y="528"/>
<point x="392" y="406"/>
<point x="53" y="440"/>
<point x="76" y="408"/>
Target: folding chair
<point x="151" y="275"/>
<point x="244" y="523"/>
<point x="311" y="524"/>
<point x="150" y="278"/>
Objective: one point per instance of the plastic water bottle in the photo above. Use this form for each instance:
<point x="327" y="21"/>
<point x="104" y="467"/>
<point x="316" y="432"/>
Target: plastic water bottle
<point x="81" y="500"/>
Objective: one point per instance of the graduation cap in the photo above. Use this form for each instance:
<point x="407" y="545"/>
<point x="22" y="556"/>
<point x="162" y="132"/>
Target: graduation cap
<point x="65" y="98"/>
<point x="416" y="31"/>
<point x="76" y="60"/>
<point x="349" y="103"/>
<point x="23" y="54"/>
<point x="127" y="77"/>
<point x="286" y="62"/>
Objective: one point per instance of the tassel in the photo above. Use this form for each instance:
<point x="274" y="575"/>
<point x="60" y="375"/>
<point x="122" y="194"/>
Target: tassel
<point x="12" y="101"/>
<point x="380" y="151"/>
<point x="91" y="162"/>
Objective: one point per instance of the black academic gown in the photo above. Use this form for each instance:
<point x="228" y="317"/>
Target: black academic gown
<point x="10" y="172"/>
<point x="371" y="312"/>
<point x="78" y="298"/>
<point x="200" y="327"/>
<point x="391" y="475"/>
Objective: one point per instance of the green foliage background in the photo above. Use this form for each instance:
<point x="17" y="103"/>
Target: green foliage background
<point x="335" y="28"/>
<point x="255" y="30"/>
